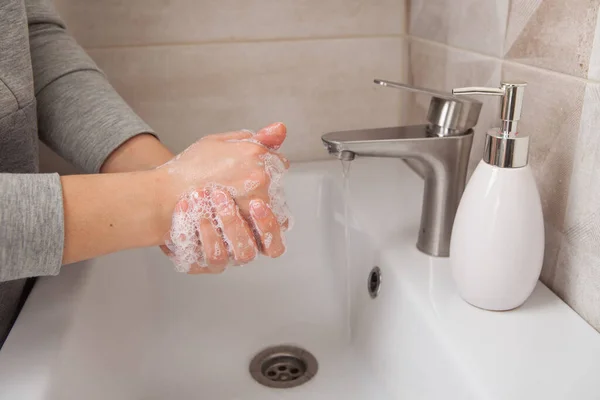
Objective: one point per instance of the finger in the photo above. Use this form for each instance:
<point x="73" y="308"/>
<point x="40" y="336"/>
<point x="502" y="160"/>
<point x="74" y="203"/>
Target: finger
<point x="272" y="136"/>
<point x="274" y="164"/>
<point x="211" y="255"/>
<point x="255" y="183"/>
<point x="196" y="269"/>
<point x="270" y="176"/>
<point x="275" y="169"/>
<point x="267" y="228"/>
<point x="273" y="157"/>
<point x="265" y="137"/>
<point x="166" y="250"/>
<point x="236" y="232"/>
<point x="288" y="222"/>
<point x="183" y="245"/>
<point x="284" y="161"/>
<point x="237" y="135"/>
<point x="282" y="212"/>
<point x="215" y="252"/>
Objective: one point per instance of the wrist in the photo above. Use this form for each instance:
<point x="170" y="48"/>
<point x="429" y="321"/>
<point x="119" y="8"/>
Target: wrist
<point x="165" y="194"/>
<point x="105" y="213"/>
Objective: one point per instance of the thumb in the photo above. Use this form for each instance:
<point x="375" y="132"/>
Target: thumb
<point x="271" y="136"/>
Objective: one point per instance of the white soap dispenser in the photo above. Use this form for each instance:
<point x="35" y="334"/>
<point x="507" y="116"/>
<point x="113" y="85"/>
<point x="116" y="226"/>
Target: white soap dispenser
<point x="497" y="244"/>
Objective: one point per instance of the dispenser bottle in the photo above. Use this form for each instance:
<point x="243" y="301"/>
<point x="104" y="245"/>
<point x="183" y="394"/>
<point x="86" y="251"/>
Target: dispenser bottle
<point x="497" y="244"/>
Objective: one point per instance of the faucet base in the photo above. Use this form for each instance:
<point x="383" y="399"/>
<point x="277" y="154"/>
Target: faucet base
<point x="442" y="162"/>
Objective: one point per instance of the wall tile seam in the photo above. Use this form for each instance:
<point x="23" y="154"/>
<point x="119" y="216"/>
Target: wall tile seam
<point x="242" y="41"/>
<point x="340" y="37"/>
<point x="557" y="74"/>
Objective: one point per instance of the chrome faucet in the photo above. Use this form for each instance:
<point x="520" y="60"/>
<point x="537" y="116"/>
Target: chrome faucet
<point x="442" y="146"/>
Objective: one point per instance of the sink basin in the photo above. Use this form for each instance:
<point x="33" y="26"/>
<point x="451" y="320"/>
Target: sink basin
<point x="127" y="326"/>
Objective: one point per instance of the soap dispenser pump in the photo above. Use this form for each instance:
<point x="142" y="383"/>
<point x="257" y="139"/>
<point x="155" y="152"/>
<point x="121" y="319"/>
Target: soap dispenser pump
<point x="497" y="242"/>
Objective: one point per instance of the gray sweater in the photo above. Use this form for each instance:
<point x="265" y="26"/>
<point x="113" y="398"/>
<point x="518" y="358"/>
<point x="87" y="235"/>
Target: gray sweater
<point x="51" y="90"/>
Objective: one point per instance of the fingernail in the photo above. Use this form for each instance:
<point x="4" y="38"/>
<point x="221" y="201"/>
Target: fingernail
<point x="259" y="209"/>
<point x="181" y="206"/>
<point x="277" y="124"/>
<point x="272" y="129"/>
<point x="222" y="203"/>
<point x="219" y="197"/>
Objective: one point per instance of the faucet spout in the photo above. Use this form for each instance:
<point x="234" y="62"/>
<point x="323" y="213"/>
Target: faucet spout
<point x="402" y="141"/>
<point x="444" y="160"/>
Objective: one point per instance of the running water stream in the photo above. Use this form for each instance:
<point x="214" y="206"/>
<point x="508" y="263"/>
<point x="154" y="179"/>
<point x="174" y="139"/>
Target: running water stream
<point x="346" y="199"/>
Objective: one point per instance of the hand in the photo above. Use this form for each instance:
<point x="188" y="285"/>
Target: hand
<point x="230" y="203"/>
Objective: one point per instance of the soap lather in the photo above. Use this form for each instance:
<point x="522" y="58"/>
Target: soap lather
<point x="497" y="242"/>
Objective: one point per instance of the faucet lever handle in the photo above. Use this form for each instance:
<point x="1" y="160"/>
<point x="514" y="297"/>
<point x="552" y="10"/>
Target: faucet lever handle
<point x="448" y="115"/>
<point x="479" y="90"/>
<point x="415" y="89"/>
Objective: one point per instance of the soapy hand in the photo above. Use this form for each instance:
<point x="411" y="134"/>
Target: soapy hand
<point x="230" y="204"/>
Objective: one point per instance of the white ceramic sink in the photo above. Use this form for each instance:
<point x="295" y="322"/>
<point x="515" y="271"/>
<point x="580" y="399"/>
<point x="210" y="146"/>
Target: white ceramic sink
<point x="127" y="326"/>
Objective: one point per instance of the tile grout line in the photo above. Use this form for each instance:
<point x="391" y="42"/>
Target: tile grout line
<point x="503" y="60"/>
<point x="338" y="37"/>
<point x="242" y="41"/>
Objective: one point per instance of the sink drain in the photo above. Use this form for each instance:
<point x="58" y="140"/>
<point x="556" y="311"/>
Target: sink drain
<point x="374" y="282"/>
<point x="283" y="367"/>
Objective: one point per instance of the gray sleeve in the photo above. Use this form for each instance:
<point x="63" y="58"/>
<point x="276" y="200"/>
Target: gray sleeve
<point x="80" y="116"/>
<point x="31" y="225"/>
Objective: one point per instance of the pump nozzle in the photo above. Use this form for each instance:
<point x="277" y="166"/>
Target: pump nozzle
<point x="512" y="102"/>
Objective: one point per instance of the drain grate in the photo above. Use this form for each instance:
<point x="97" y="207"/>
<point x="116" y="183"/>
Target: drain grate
<point x="374" y="282"/>
<point x="283" y="367"/>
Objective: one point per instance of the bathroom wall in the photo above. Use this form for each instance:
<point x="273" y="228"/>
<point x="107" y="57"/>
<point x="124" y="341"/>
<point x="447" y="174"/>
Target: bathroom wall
<point x="195" y="67"/>
<point x="554" y="45"/>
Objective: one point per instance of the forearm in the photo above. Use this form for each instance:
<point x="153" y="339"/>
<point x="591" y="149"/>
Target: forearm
<point x="108" y="213"/>
<point x="140" y="153"/>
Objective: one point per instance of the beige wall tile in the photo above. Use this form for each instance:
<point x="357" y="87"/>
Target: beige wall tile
<point x="577" y="277"/>
<point x="553" y="34"/>
<point x="469" y="24"/>
<point x="594" y="66"/>
<point x="552" y="110"/>
<point x="577" y="281"/>
<point x="186" y="92"/>
<point x="443" y="68"/>
<point x="122" y="22"/>
<point x="583" y="208"/>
